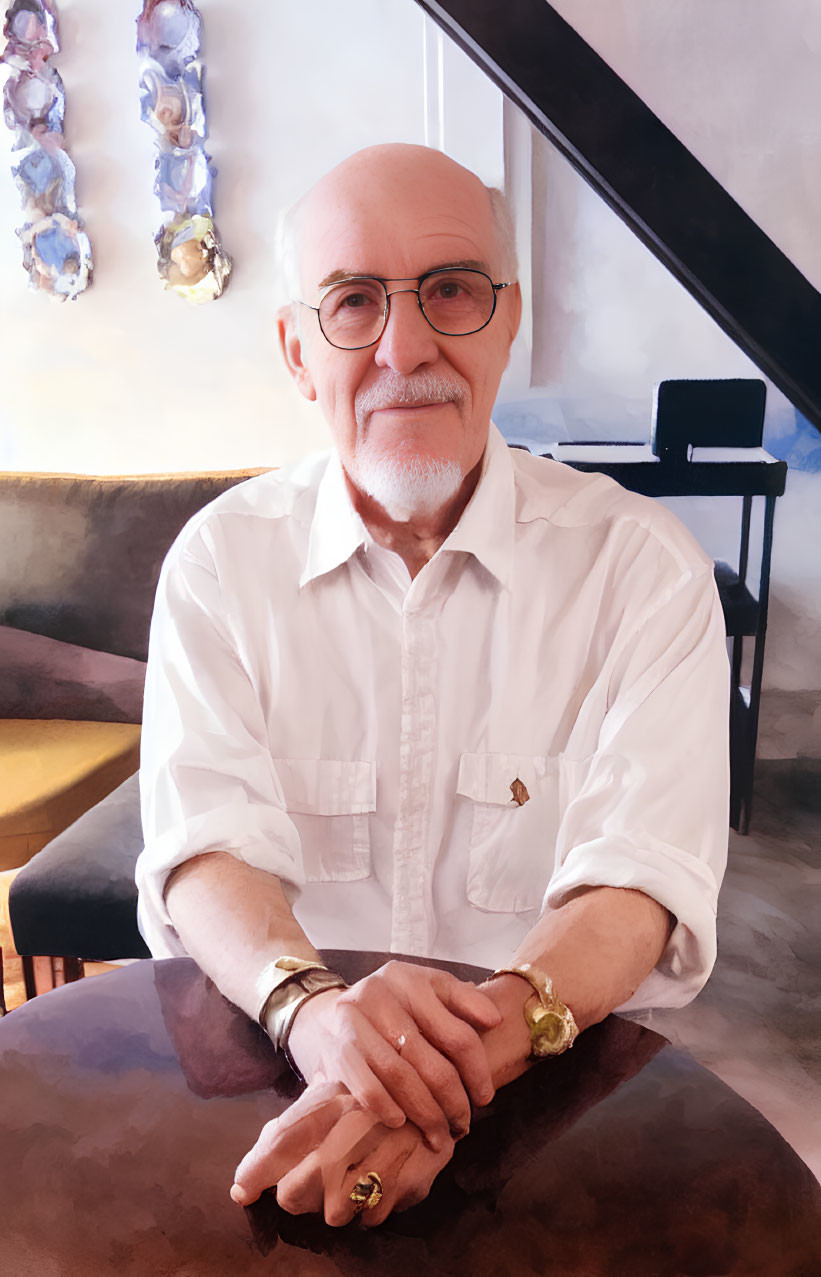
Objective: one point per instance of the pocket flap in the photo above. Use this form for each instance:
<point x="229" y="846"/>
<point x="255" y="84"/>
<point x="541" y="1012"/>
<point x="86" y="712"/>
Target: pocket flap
<point x="327" y="786"/>
<point x="487" y="778"/>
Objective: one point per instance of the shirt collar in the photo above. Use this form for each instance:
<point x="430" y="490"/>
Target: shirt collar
<point x="487" y="526"/>
<point x="336" y="529"/>
<point x="485" y="530"/>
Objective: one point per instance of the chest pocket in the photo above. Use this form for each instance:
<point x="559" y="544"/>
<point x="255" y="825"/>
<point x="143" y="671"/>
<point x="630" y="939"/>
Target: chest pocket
<point x="329" y="801"/>
<point x="511" y="844"/>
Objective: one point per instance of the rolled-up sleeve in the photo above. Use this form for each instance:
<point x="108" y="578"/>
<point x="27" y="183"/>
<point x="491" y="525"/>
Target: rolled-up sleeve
<point x="649" y="809"/>
<point x="207" y="779"/>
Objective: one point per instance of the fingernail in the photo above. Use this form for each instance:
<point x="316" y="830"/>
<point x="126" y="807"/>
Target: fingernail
<point x="458" y="1132"/>
<point x="239" y="1195"/>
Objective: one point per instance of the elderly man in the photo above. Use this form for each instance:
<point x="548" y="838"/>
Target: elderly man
<point x="428" y="696"/>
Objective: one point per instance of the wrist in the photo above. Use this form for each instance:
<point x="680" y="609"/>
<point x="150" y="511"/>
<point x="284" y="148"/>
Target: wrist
<point x="306" y="1031"/>
<point x="551" y="1024"/>
<point x="291" y="982"/>
<point x="508" y="1045"/>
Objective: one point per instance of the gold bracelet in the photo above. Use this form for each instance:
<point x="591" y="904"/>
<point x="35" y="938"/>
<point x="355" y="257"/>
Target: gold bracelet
<point x="552" y="1026"/>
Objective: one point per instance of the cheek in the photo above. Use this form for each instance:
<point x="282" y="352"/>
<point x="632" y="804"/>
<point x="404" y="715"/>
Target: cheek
<point x="336" y="386"/>
<point x="336" y="383"/>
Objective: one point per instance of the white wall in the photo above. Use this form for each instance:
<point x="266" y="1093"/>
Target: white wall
<point x="131" y="379"/>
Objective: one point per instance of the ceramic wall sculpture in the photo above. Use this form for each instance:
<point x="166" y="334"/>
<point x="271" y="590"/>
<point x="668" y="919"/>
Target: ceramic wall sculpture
<point x="56" y="249"/>
<point x="191" y="260"/>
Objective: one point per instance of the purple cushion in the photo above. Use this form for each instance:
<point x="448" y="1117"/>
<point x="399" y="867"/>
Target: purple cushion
<point x="45" y="678"/>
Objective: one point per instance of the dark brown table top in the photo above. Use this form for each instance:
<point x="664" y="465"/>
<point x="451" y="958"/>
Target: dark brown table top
<point x="128" y="1100"/>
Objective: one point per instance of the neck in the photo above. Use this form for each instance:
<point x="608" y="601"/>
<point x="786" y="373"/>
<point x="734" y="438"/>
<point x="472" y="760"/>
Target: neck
<point x="417" y="539"/>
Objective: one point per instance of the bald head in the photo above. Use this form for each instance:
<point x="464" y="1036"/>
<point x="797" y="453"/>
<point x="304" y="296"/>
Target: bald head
<point x="393" y="177"/>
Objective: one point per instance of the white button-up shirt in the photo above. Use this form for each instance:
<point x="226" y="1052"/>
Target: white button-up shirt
<point x="315" y="712"/>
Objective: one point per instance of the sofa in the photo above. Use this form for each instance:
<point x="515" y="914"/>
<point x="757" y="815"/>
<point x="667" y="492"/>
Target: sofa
<point x="82" y="555"/>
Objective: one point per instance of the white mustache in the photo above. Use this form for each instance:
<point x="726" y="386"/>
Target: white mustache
<point x="395" y="391"/>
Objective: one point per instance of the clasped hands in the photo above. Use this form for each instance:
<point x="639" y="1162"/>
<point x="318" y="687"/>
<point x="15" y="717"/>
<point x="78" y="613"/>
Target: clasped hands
<point x="392" y="1064"/>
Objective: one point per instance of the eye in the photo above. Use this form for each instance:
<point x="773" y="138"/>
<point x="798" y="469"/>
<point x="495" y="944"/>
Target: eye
<point x="357" y="295"/>
<point x="354" y="300"/>
<point x="448" y="289"/>
<point x="451" y="289"/>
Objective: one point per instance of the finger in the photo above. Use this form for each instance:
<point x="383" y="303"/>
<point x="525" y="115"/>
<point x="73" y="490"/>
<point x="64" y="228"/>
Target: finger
<point x="379" y="1073"/>
<point x="411" y="1092"/>
<point x="387" y="1158"/>
<point x="443" y="1081"/>
<point x="354" y="1069"/>
<point x="408" y="1182"/>
<point x="300" y="1190"/>
<point x="318" y="1179"/>
<point x="376" y="1074"/>
<point x="460" y="1043"/>
<point x="466" y="1001"/>
<point x="441" y="1087"/>
<point x="352" y="1145"/>
<point x="284" y="1142"/>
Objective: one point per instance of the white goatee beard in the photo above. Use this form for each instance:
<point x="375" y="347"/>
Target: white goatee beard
<point x="404" y="483"/>
<point x="406" y="486"/>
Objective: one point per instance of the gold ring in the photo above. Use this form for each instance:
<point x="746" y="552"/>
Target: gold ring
<point x="367" y="1192"/>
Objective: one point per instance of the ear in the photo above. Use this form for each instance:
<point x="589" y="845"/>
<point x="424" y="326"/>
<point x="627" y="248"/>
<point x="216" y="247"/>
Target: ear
<point x="290" y="343"/>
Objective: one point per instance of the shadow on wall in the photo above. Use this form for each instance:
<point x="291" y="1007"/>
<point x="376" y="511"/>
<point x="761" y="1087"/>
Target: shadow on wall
<point x="798" y="443"/>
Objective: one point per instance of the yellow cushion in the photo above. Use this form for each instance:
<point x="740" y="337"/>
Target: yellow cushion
<point x="51" y="771"/>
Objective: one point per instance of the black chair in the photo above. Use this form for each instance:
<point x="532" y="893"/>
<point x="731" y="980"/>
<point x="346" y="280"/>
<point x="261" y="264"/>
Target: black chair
<point x="727" y="414"/>
<point x="77" y="897"/>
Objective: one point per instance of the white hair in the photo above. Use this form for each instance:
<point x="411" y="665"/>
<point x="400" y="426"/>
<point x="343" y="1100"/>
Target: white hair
<point x="505" y="233"/>
<point x="289" y="283"/>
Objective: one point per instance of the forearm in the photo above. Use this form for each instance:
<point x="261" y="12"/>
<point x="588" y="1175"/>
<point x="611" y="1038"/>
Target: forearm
<point x="233" y="920"/>
<point x="597" y="949"/>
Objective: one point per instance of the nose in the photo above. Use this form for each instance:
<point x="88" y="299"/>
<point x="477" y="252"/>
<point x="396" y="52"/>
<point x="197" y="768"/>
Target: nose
<point x="408" y="341"/>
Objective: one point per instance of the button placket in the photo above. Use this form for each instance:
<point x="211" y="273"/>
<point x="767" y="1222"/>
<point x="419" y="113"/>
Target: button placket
<point x="412" y="915"/>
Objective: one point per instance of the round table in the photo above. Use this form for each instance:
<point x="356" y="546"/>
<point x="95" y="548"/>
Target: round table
<point x="128" y="1099"/>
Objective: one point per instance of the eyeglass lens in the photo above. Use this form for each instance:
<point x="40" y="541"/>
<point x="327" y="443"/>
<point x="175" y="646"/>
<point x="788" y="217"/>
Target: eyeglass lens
<point x="456" y="302"/>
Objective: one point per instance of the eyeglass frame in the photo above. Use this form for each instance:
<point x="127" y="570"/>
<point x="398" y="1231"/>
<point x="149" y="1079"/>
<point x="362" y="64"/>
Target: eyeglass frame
<point x="404" y="279"/>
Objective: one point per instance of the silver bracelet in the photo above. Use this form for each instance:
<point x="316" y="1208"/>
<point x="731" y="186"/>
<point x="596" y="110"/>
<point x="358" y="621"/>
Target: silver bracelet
<point x="279" y="1009"/>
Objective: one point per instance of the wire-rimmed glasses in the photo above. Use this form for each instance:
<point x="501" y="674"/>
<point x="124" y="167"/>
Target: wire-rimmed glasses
<point x="456" y="302"/>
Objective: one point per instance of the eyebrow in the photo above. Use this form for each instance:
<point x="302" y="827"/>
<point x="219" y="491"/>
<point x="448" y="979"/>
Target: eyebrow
<point x="339" y="276"/>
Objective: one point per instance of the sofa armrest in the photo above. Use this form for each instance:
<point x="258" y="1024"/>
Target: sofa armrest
<point x="77" y="897"/>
